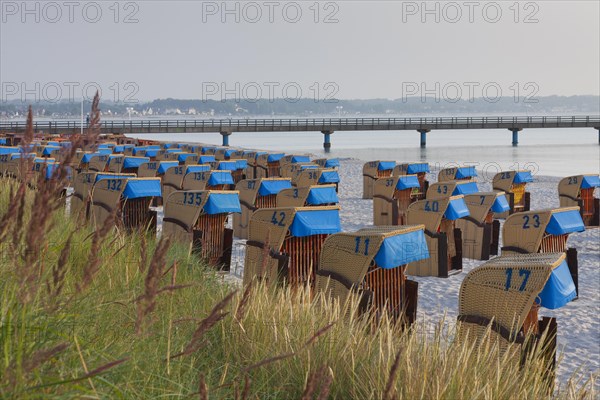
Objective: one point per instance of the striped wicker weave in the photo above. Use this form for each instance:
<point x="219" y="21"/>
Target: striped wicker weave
<point x="347" y="266"/>
<point x="492" y="296"/>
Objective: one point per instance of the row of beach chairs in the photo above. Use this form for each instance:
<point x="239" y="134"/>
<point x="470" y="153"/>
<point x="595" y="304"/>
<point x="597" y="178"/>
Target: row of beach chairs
<point x="294" y="236"/>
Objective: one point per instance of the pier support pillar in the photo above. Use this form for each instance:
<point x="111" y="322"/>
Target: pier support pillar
<point x="226" y="138"/>
<point x="598" y="129"/>
<point x="423" y="133"/>
<point x="327" y="140"/>
<point x="515" y="135"/>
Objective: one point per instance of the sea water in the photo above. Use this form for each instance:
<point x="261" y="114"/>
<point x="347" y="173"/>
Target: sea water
<point x="548" y="151"/>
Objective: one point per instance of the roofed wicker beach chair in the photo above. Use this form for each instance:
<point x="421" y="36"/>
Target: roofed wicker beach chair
<point x="250" y="156"/>
<point x="267" y="165"/>
<point x="7" y="153"/>
<point x="415" y="168"/>
<point x="208" y="150"/>
<point x="514" y="183"/>
<point x="457" y="174"/>
<point x="443" y="238"/>
<point x="171" y="154"/>
<point x="236" y="166"/>
<point x="291" y="170"/>
<point x="106" y="195"/>
<point x="173" y="175"/>
<point x="578" y="191"/>
<point x="256" y="194"/>
<point x="543" y="231"/>
<point x="310" y="196"/>
<point x="317" y="176"/>
<point x="97" y="162"/>
<point x="372" y="171"/>
<point x="225" y="153"/>
<point x="52" y="151"/>
<point x="127" y="196"/>
<point x="148" y="169"/>
<point x="391" y="198"/>
<point x="502" y="297"/>
<point x="284" y="244"/>
<point x="198" y="218"/>
<point x="481" y="229"/>
<point x="83" y="183"/>
<point x="208" y="180"/>
<point x="13" y="167"/>
<point x="186" y="158"/>
<point x="327" y="162"/>
<point x="288" y="159"/>
<point x="372" y="263"/>
<point x="136" y="200"/>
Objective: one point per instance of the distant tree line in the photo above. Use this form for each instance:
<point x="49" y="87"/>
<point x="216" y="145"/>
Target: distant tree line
<point x="307" y="107"/>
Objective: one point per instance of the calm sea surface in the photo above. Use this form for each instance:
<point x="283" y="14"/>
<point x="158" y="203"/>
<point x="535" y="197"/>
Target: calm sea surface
<point x="554" y="152"/>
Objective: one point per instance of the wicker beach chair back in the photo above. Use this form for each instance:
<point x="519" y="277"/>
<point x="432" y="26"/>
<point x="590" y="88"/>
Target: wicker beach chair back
<point x="327" y="162"/>
<point x="172" y="179"/>
<point x="391" y="198"/>
<point x="316" y="195"/>
<point x="199" y="218"/>
<point x="514" y="183"/>
<point x="317" y="176"/>
<point x="256" y="194"/>
<point x="500" y="294"/>
<point x="208" y="180"/>
<point x="181" y="211"/>
<point x="349" y="264"/>
<point x="148" y="169"/>
<point x="186" y="158"/>
<point x="98" y="163"/>
<point x="115" y="163"/>
<point x="372" y="171"/>
<point x="578" y="190"/>
<point x="457" y="174"/>
<point x="540" y="230"/>
<point x="443" y="239"/>
<point x="275" y="254"/>
<point x="480" y="230"/>
<point x="106" y="196"/>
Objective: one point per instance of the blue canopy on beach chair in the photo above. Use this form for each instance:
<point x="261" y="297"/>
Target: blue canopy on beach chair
<point x="269" y="187"/>
<point x="222" y="203"/>
<point x="322" y="195"/>
<point x="564" y="222"/>
<point x="590" y="181"/>
<point x="465" y="188"/>
<point x="407" y="182"/>
<point x="417" y="168"/>
<point x="329" y="177"/>
<point x="206" y="159"/>
<point x="165" y="165"/>
<point x="386" y="165"/>
<point x="500" y="205"/>
<point x="197" y="168"/>
<point x="137" y="188"/>
<point x="457" y="208"/>
<point x="275" y="157"/>
<point x="220" y="178"/>
<point x="135" y="162"/>
<point x="559" y="289"/>
<point x="465" y="172"/>
<point x="523" y="177"/>
<point x="402" y="249"/>
<point x="317" y="222"/>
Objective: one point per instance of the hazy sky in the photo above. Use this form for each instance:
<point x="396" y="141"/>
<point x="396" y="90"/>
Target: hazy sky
<point x="349" y="49"/>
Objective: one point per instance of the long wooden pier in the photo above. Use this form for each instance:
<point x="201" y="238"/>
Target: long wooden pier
<point x="327" y="126"/>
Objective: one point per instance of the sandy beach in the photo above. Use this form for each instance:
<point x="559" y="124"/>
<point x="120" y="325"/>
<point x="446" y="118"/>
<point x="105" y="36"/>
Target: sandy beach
<point x="578" y="322"/>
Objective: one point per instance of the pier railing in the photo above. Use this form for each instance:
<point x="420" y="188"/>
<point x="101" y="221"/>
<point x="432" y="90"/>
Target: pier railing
<point x="313" y="124"/>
